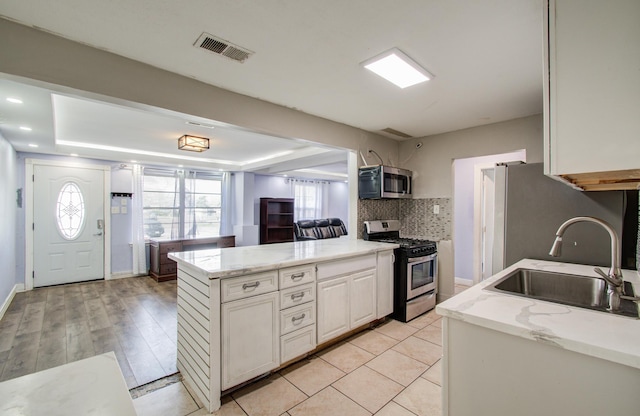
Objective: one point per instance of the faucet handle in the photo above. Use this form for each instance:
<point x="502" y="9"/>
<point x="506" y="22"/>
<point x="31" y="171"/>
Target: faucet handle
<point x="611" y="279"/>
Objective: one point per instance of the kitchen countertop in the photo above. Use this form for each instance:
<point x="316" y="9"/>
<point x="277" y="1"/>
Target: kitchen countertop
<point x="93" y="386"/>
<point x="236" y="261"/>
<point x="602" y="335"/>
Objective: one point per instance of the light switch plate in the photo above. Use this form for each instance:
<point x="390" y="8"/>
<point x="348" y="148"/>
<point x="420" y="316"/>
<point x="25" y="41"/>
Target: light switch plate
<point x="436" y="209"/>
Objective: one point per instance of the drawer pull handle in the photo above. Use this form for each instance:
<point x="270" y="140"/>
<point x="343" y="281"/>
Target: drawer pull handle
<point x="297" y="276"/>
<point x="297" y="296"/>
<point x="250" y="285"/>
<point x="298" y="318"/>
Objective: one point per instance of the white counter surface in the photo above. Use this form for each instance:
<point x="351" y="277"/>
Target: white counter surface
<point x="236" y="261"/>
<point x="93" y="386"/>
<point x="602" y="335"/>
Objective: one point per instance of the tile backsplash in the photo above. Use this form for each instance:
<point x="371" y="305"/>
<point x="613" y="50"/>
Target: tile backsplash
<point x="416" y="216"/>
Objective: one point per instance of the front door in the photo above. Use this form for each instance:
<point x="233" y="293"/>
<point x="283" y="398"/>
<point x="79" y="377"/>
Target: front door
<point x="68" y="224"/>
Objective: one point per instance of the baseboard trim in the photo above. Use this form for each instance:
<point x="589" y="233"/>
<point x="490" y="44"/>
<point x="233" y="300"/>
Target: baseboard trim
<point x="7" y="302"/>
<point x="463" y="282"/>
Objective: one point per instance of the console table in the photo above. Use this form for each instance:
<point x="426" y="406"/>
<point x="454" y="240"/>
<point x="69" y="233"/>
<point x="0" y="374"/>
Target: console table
<point x="163" y="268"/>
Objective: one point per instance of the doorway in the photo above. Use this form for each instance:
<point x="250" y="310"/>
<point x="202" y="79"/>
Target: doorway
<point x="467" y="213"/>
<point x="67" y="223"/>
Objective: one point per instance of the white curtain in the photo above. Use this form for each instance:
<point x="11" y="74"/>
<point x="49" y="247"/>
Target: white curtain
<point x="189" y="206"/>
<point x="176" y="232"/>
<point x="225" y="215"/>
<point x="310" y="199"/>
<point x="137" y="222"/>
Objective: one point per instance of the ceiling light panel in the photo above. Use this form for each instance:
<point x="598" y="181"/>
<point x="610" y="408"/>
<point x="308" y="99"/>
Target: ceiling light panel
<point x="398" y="68"/>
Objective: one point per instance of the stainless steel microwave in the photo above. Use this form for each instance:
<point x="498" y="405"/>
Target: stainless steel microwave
<point x="380" y="182"/>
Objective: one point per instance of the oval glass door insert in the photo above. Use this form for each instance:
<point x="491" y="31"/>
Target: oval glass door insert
<point x="70" y="211"/>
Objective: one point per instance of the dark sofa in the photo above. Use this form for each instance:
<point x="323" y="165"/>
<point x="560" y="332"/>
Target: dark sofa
<point x="319" y="229"/>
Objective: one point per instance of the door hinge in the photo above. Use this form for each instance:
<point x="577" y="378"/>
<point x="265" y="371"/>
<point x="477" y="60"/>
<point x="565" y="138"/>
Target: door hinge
<point x="33" y="226"/>
<point x="33" y="178"/>
<point x="33" y="274"/>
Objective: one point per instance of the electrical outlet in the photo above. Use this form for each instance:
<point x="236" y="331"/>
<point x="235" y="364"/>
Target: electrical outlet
<point x="436" y="209"/>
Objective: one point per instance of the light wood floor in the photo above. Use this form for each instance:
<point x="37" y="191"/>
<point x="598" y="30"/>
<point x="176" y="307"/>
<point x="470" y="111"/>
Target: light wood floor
<point x="134" y="317"/>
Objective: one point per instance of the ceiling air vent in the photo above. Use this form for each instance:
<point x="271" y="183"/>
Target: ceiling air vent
<point x="222" y="47"/>
<point x="396" y="133"/>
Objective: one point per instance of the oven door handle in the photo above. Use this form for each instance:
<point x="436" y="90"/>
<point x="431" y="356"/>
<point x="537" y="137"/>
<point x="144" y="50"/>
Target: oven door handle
<point x="422" y="259"/>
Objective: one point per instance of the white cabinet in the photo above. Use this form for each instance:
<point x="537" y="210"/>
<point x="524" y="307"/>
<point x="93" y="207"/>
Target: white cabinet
<point x="592" y="93"/>
<point x="485" y="372"/>
<point x="362" y="294"/>
<point x="384" y="284"/>
<point x="333" y="308"/>
<point x="298" y="311"/>
<point x="346" y="300"/>
<point x="250" y="338"/>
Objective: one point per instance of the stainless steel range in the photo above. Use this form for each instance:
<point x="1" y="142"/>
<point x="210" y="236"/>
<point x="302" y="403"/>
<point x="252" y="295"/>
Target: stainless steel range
<point x="416" y="269"/>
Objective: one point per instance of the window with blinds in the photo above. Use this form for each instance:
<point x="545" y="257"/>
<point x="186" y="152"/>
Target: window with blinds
<point x="182" y="204"/>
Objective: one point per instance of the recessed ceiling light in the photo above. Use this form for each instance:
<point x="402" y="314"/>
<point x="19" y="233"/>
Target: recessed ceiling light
<point x="74" y="154"/>
<point x="25" y="128"/>
<point x="14" y="100"/>
<point x="398" y="68"/>
<point x="33" y="145"/>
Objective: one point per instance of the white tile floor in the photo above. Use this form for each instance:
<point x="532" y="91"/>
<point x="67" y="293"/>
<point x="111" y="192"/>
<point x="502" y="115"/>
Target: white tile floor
<point x="394" y="369"/>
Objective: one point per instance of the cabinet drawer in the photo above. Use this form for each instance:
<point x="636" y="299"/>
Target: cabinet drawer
<point x="242" y="287"/>
<point x="294" y="276"/>
<point x="346" y="266"/>
<point x="169" y="268"/>
<point x="297" y="343"/>
<point x="297" y="295"/>
<point x="297" y="317"/>
<point x="170" y="247"/>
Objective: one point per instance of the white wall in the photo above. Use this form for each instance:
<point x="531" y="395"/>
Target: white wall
<point x="463" y="208"/>
<point x="8" y="224"/>
<point x="339" y="202"/>
<point x="432" y="162"/>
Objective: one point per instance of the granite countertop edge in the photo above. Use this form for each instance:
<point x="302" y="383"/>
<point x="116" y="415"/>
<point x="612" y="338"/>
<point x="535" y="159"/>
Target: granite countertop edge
<point x="602" y="335"/>
<point x="237" y="261"/>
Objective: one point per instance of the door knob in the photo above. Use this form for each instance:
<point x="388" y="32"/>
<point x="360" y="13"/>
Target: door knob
<point x="98" y="234"/>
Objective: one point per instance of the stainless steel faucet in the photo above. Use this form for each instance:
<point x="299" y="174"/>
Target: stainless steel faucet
<point x="614" y="277"/>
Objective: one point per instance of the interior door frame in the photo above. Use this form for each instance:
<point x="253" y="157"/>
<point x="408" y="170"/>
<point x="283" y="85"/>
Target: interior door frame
<point x="28" y="196"/>
<point x="478" y="190"/>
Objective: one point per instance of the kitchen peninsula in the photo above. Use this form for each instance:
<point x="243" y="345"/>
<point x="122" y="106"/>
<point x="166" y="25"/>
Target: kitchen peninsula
<point x="245" y="311"/>
<point x="507" y="354"/>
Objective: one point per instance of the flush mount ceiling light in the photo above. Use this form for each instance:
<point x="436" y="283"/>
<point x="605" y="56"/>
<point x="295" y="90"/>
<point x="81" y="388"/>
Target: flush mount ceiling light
<point x="193" y="143"/>
<point x="398" y="68"/>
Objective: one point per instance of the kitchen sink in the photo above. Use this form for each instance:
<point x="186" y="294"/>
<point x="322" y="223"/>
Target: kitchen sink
<point x="568" y="289"/>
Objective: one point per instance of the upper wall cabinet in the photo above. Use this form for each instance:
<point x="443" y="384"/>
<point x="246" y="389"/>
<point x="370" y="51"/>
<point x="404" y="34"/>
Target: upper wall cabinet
<point x="592" y="93"/>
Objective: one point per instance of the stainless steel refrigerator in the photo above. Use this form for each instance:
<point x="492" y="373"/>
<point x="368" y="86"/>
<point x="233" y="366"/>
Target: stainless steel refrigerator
<point x="529" y="208"/>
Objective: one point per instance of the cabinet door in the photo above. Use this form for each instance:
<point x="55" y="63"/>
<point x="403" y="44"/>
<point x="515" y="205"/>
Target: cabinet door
<point x="362" y="293"/>
<point x="333" y="308"/>
<point x="594" y="108"/>
<point x="250" y="338"/>
<point x="384" y="284"/>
